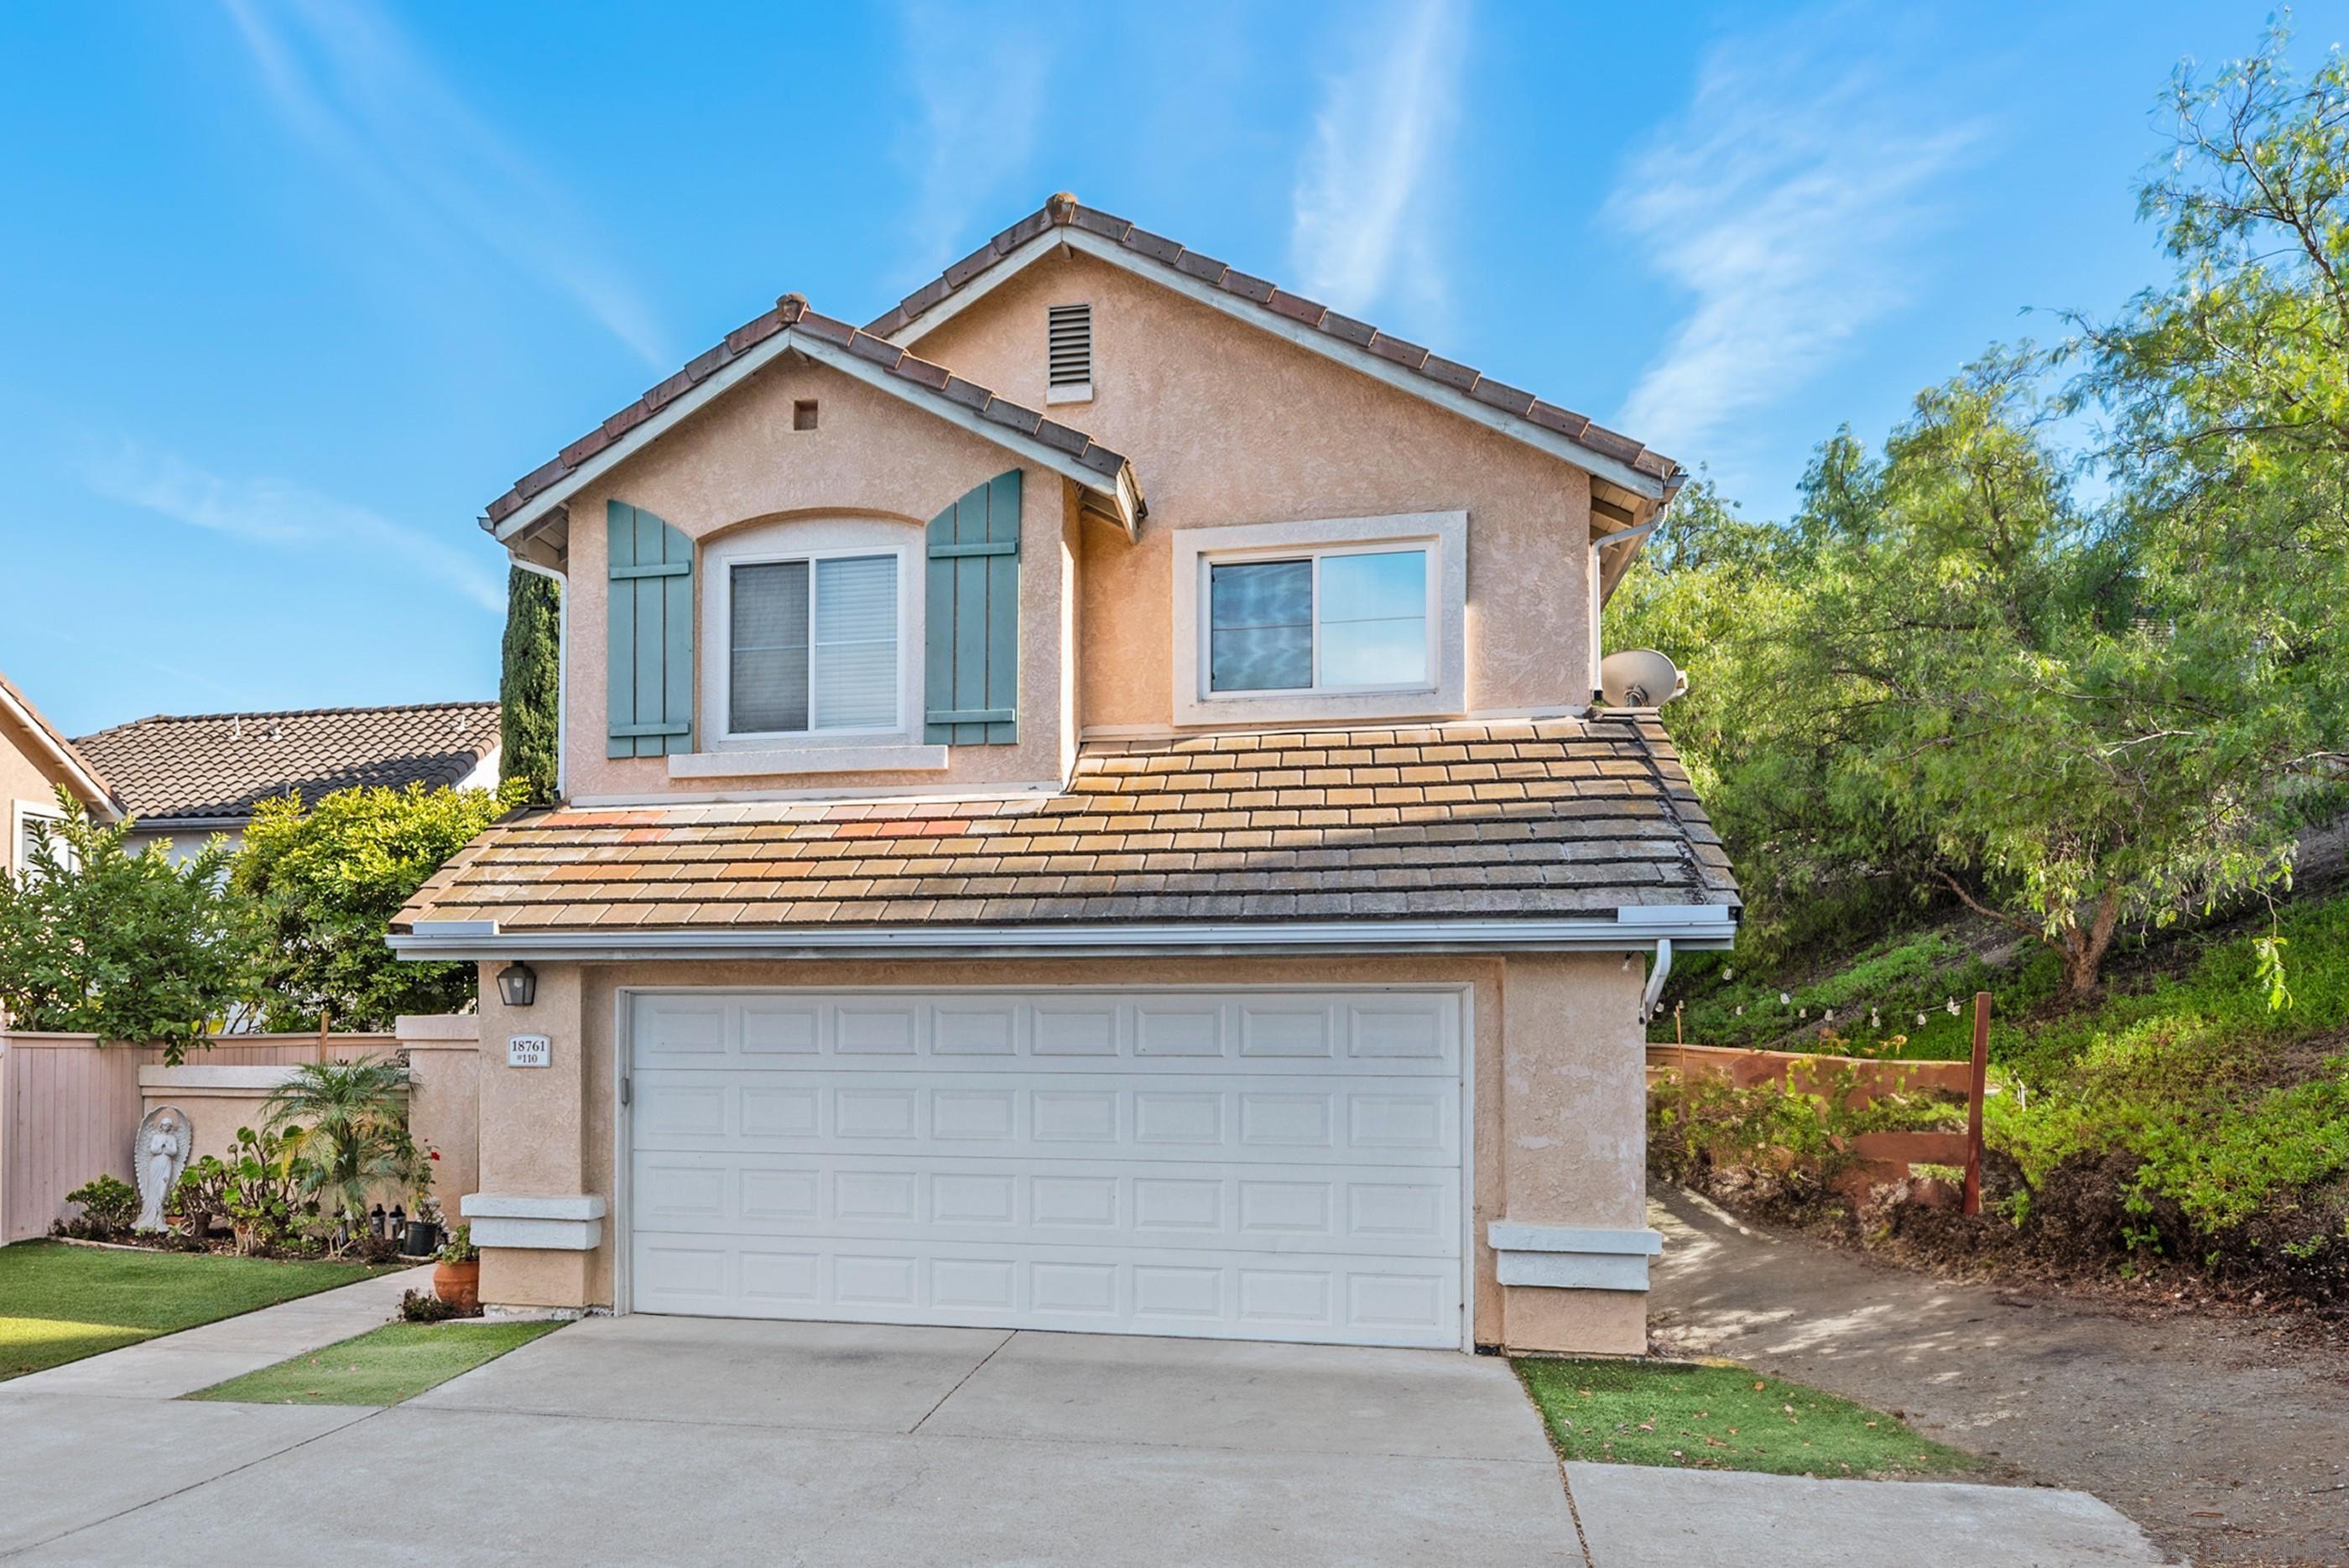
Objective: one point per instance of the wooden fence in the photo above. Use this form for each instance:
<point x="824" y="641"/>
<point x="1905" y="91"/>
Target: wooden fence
<point x="1877" y="1156"/>
<point x="70" y="1105"/>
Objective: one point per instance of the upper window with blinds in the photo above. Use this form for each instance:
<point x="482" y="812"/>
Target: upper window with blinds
<point x="1332" y="620"/>
<point x="813" y="646"/>
<point x="1069" y="354"/>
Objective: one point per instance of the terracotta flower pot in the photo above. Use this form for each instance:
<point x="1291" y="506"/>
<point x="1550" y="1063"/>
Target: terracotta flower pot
<point x="458" y="1284"/>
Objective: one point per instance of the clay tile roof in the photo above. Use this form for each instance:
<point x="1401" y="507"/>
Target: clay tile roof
<point x="923" y="380"/>
<point x="207" y="767"/>
<point x="1537" y="818"/>
<point x="1063" y="211"/>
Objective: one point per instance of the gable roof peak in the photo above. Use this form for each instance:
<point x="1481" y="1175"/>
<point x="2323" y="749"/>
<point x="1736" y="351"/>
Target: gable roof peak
<point x="1405" y="365"/>
<point x="794" y="324"/>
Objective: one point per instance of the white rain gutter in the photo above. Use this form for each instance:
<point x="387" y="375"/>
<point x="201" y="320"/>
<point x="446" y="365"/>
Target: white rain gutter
<point x="1694" y="926"/>
<point x="1656" y="978"/>
<point x="561" y="668"/>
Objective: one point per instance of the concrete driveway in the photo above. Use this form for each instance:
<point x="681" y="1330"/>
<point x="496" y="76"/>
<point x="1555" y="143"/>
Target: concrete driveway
<point x="647" y="1440"/>
<point x="679" y="1440"/>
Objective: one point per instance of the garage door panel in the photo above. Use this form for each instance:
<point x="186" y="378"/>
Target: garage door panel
<point x="1229" y="1295"/>
<point x="1409" y="1033"/>
<point x="1289" y="1209"/>
<point x="1277" y="1165"/>
<point x="1400" y="1121"/>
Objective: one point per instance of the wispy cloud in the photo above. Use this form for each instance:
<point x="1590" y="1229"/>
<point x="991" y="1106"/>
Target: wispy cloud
<point x="1362" y="188"/>
<point x="281" y="515"/>
<point x="978" y="75"/>
<point x="352" y="86"/>
<point x="1789" y="200"/>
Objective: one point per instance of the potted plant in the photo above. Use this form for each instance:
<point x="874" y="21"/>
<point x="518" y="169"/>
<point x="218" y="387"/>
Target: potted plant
<point x="458" y="1279"/>
<point x="421" y="1236"/>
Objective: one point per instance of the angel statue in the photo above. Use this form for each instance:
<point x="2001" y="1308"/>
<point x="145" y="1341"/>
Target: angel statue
<point x="160" y="1153"/>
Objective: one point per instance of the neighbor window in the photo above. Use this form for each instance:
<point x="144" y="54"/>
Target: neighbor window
<point x="32" y="821"/>
<point x="812" y="645"/>
<point x="1336" y="621"/>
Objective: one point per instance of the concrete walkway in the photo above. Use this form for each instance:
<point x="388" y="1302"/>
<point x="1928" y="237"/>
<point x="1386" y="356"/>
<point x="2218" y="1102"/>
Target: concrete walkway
<point x="674" y="1441"/>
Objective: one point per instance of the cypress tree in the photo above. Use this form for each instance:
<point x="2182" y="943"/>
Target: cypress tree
<point x="529" y="685"/>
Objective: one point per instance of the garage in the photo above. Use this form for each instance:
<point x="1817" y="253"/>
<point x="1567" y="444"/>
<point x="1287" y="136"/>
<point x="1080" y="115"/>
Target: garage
<point x="1244" y="1164"/>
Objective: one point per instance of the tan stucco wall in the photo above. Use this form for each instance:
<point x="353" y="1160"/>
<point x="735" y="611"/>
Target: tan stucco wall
<point x="20" y="778"/>
<point x="1226" y="423"/>
<point x="1555" y="1061"/>
<point x="740" y="461"/>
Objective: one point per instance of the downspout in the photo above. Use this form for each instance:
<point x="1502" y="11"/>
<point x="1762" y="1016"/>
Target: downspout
<point x="1656" y="978"/>
<point x="562" y="673"/>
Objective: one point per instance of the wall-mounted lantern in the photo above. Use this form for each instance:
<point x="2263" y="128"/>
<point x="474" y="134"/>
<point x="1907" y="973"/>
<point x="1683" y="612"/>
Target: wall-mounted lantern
<point x="518" y="983"/>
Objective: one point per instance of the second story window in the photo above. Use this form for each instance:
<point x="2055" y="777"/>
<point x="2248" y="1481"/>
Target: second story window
<point x="812" y="645"/>
<point x="1332" y="620"/>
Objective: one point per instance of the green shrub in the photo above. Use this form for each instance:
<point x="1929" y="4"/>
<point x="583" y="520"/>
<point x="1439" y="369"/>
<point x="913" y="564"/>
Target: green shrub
<point x="1702" y="1122"/>
<point x="109" y="1208"/>
<point x="257" y="1190"/>
<point x="327" y="882"/>
<point x="96" y="937"/>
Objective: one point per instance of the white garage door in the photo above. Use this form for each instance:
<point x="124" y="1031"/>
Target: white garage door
<point x="1248" y="1165"/>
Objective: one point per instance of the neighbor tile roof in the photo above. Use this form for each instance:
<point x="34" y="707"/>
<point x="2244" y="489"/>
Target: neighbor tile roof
<point x="1546" y="817"/>
<point x="792" y="313"/>
<point x="1065" y="211"/>
<point x="214" y="765"/>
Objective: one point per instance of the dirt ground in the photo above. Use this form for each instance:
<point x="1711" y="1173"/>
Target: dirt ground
<point x="2226" y="1436"/>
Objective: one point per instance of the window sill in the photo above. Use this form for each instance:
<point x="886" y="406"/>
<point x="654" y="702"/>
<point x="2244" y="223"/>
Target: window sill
<point x="896" y="757"/>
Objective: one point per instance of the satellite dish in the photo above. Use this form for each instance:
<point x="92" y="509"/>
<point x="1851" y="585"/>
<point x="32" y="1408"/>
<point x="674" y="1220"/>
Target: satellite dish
<point x="1639" y="677"/>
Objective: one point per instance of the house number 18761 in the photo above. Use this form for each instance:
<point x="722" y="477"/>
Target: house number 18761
<point x="530" y="1051"/>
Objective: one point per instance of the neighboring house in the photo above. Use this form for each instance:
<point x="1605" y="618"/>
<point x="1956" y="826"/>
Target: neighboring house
<point x="35" y="760"/>
<point x="1150" y="866"/>
<point x="186" y="777"/>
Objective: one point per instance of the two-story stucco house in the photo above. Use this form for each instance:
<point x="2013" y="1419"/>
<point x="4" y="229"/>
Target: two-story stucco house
<point x="1083" y="808"/>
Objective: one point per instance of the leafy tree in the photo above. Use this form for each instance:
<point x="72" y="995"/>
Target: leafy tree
<point x="2010" y="688"/>
<point x="97" y="938"/>
<point x="327" y="882"/>
<point x="530" y="685"/>
<point x="2227" y="395"/>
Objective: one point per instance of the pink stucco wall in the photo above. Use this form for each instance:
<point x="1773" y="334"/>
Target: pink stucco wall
<point x="1225" y="424"/>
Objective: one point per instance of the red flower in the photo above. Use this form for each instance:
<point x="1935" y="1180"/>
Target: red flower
<point x="436" y="1154"/>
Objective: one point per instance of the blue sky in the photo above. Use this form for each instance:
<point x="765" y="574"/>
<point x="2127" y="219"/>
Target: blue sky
<point x="289" y="291"/>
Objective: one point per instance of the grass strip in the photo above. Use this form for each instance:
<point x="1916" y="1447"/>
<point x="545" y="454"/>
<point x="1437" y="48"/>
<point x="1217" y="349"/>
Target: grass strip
<point x="382" y="1366"/>
<point x="1719" y="1415"/>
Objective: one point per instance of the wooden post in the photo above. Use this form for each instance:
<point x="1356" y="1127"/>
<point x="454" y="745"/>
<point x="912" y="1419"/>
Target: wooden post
<point x="1979" y="1081"/>
<point x="325" y="1017"/>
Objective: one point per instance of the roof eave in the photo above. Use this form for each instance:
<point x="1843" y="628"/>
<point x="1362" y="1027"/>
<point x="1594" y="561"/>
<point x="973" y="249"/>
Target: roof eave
<point x="1114" y="495"/>
<point x="1689" y="927"/>
<point x="95" y="793"/>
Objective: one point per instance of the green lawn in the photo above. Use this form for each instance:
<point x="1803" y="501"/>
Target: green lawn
<point x="384" y="1366"/>
<point x="1724" y="1417"/>
<point x="59" y="1303"/>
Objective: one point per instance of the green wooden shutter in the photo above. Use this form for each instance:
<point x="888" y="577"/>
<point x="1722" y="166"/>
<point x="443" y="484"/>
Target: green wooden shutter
<point x="650" y="633"/>
<point x="971" y="665"/>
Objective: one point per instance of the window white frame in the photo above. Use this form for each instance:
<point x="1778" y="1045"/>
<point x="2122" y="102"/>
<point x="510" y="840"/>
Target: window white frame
<point x="20" y="813"/>
<point x="1444" y="536"/>
<point x="727" y="751"/>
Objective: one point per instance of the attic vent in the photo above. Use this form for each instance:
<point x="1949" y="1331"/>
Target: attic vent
<point x="1069" y="342"/>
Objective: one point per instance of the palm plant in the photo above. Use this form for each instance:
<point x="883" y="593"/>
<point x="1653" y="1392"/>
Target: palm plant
<point x="344" y="1126"/>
